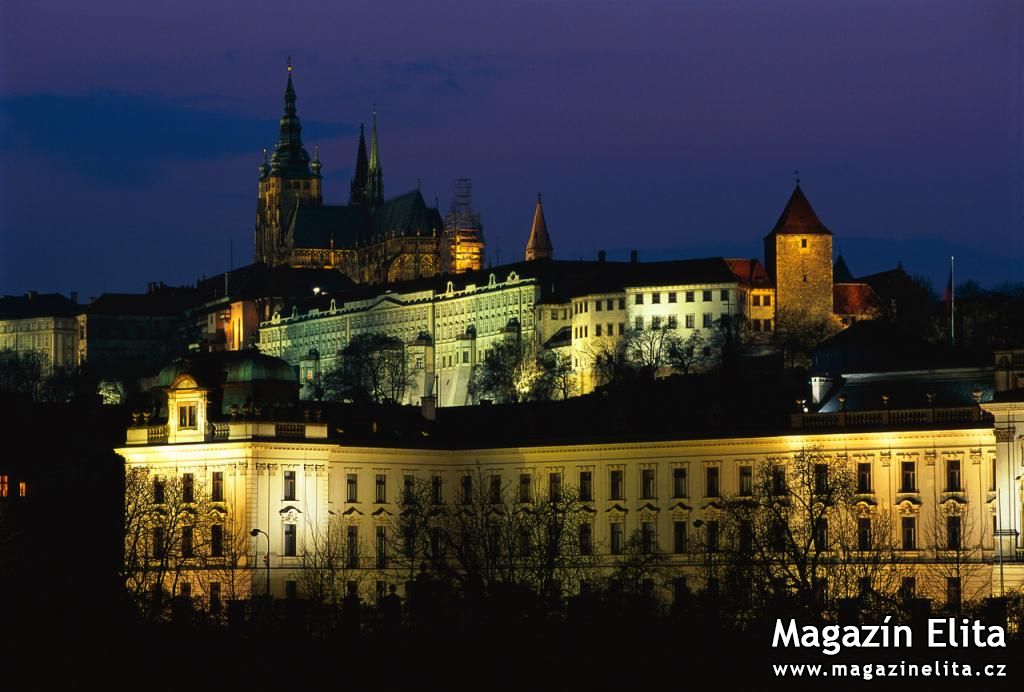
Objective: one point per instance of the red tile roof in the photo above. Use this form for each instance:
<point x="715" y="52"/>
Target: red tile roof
<point x="853" y="299"/>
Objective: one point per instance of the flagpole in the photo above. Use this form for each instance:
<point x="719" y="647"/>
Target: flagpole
<point x="952" y="303"/>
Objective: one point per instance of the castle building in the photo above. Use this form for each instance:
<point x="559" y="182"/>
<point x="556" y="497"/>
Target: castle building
<point x="42" y="323"/>
<point x="938" y="485"/>
<point x="371" y="239"/>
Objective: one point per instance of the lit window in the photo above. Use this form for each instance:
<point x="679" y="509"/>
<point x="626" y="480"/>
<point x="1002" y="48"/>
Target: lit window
<point x="909" y="477"/>
<point x="3" y="486"/>
<point x="289" y="485"/>
<point x="187" y="417"/>
<point x="289" y="540"/>
<point x="22" y="489"/>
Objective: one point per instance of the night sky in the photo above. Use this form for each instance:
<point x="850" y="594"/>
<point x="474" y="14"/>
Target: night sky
<point x="132" y="131"/>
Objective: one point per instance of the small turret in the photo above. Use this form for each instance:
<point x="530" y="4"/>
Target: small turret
<point x="539" y="246"/>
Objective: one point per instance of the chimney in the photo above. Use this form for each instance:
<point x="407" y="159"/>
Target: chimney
<point x="601" y="256"/>
<point x="634" y="257"/>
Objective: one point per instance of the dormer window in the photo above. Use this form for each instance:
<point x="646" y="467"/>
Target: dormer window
<point x="187" y="417"/>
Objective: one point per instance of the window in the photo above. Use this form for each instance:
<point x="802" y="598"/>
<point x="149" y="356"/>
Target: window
<point x="863" y="533"/>
<point x="953" y="476"/>
<point x="689" y="296"/>
<point x="217" y="490"/>
<point x="436" y="488"/>
<point x="656" y="322"/>
<point x="712" y="529"/>
<point x="409" y="486"/>
<point x="755" y="300"/>
<point x="678" y="537"/>
<point x="351" y="488"/>
<point x="746" y="481"/>
<point x="597" y="330"/>
<point x="622" y="328"/>
<point x="598" y="305"/>
<point x="953" y="532"/>
<point x="679" y="482"/>
<point x="767" y="325"/>
<point x="724" y="295"/>
<point x="746" y="537"/>
<point x="215" y="602"/>
<point x="289" y="485"/>
<point x="524" y="487"/>
<point x="767" y="302"/>
<point x="647" y="537"/>
<point x="187" y="545"/>
<point x="586" y="538"/>
<point x="706" y="296"/>
<point x="638" y="322"/>
<point x="803" y="242"/>
<point x="707" y="323"/>
<point x="615" y="484"/>
<point x="382" y="547"/>
<point x="158" y="490"/>
<point x="711" y="481"/>
<point x="610" y="304"/>
<point x="187" y="417"/>
<point x="821" y="534"/>
<point x="908" y="475"/>
<point x="289" y="540"/>
<point x="639" y="299"/>
<point x="864" y="477"/>
<point x="673" y="322"/>
<point x="555" y="487"/>
<point x="909" y="533"/>
<point x="953" y="592"/>
<point x="647" y="483"/>
<point x="188" y="492"/>
<point x="821" y="479"/>
<point x="465" y="356"/>
<point x="656" y="298"/>
<point x="554" y="314"/>
<point x="586" y="486"/>
<point x="616" y="535"/>
<point x="467" y="489"/>
<point x="216" y="540"/>
<point x="158" y="541"/>
<point x="381" y="488"/>
<point x="352" y="545"/>
<point x="671" y="297"/>
<point x="622" y="303"/>
<point x="779" y="480"/>
<point x="495" y="489"/>
<point x="690" y="321"/>
<point x="908" y="588"/>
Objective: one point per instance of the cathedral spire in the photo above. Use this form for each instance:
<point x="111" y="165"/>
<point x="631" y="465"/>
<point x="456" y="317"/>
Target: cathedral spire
<point x="357" y="195"/>
<point x="375" y="178"/>
<point x="290" y="158"/>
<point x="539" y="246"/>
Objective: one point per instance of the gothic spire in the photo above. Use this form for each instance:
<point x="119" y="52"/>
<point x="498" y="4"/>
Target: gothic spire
<point x="539" y="246"/>
<point x="357" y="195"/>
<point x="290" y="158"/>
<point x="375" y="177"/>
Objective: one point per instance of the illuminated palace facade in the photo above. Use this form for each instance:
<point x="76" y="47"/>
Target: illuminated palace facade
<point x="289" y="474"/>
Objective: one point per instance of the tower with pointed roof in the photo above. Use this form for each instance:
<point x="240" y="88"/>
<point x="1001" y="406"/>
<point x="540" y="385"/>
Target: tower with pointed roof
<point x="357" y="195"/>
<point x="287" y="181"/>
<point x="539" y="245"/>
<point x="798" y="256"/>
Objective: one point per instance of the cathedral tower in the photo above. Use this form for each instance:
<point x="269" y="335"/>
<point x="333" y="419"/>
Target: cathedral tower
<point x="539" y="246"/>
<point x="798" y="255"/>
<point x="464" y="234"/>
<point x="357" y="196"/>
<point x="375" y="174"/>
<point x="287" y="180"/>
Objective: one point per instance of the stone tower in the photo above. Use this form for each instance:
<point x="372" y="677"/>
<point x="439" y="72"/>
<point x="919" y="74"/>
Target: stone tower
<point x="539" y="246"/>
<point x="287" y="180"/>
<point x="463" y="231"/>
<point x="798" y="255"/>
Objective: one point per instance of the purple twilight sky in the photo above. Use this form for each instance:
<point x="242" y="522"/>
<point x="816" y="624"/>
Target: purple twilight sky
<point x="131" y="131"/>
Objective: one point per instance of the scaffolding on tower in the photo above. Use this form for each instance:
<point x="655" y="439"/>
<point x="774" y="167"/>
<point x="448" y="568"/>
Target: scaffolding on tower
<point x="463" y="230"/>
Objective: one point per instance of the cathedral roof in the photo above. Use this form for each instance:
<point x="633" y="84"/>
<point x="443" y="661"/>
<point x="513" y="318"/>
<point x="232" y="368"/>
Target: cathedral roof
<point x="799" y="218"/>
<point x="405" y="215"/>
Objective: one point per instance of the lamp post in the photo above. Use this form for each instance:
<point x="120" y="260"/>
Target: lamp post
<point x="254" y="533"/>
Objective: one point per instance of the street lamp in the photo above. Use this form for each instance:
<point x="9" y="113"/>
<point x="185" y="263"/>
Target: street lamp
<point x="254" y="533"/>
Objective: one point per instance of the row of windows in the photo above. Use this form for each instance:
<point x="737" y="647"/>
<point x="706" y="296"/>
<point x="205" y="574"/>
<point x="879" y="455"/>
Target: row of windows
<point x="689" y="296"/>
<point x="5" y="487"/>
<point x="758" y="300"/>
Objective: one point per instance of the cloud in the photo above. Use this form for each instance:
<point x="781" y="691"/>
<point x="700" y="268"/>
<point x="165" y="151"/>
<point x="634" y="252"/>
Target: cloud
<point x="124" y="137"/>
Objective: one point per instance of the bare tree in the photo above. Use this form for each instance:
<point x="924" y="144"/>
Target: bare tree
<point x="330" y="560"/>
<point x="510" y="372"/>
<point x="958" y="570"/>
<point x="649" y="349"/>
<point x="372" y="367"/>
<point x="798" y="333"/>
<point x="687" y="355"/>
<point x="559" y="377"/>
